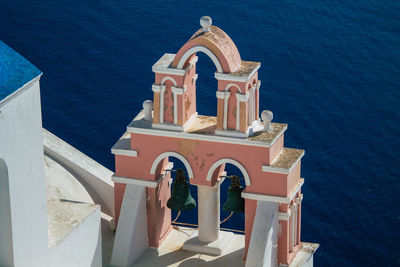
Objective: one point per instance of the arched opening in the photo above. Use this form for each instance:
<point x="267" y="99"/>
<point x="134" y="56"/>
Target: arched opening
<point x="230" y="167"/>
<point x="6" y="244"/>
<point x="206" y="85"/>
<point x="187" y="216"/>
<point x="160" y="165"/>
<point x="237" y="220"/>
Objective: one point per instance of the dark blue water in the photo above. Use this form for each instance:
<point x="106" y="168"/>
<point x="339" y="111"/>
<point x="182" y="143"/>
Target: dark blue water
<point x="330" y="69"/>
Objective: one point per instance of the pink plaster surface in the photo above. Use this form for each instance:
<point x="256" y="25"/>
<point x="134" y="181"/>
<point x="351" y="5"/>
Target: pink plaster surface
<point x="158" y="214"/>
<point x="200" y="155"/>
<point x="276" y="148"/>
<point x="293" y="178"/>
<point x="219" y="43"/>
<point x="250" y="213"/>
<point x="168" y="103"/>
<point x="186" y="103"/>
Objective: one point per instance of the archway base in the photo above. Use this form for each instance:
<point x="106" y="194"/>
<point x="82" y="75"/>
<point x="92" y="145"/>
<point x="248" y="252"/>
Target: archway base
<point x="216" y="248"/>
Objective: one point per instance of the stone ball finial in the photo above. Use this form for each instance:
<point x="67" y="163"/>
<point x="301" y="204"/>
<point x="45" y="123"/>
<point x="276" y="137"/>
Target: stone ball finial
<point x="148" y="108"/>
<point x="206" y="22"/>
<point x="267" y="117"/>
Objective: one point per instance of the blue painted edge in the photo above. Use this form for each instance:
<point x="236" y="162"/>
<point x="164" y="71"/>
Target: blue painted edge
<point x="15" y="71"/>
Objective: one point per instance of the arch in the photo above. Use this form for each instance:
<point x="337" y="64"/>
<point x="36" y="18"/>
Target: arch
<point x="6" y="251"/>
<point x="171" y="154"/>
<point x="233" y="162"/>
<point x="232" y="84"/>
<point x="216" y="44"/>
<point x="203" y="49"/>
<point x="168" y="78"/>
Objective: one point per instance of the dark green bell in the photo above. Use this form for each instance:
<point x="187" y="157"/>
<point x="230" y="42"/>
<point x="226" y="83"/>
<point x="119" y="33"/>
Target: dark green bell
<point x="234" y="202"/>
<point x="180" y="198"/>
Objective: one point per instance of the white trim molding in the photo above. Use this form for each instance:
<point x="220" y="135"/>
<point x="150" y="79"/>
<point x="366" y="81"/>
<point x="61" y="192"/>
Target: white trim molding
<point x="139" y="126"/>
<point x="203" y="49"/>
<point x="230" y="161"/>
<point x="135" y="181"/>
<point x="284" y="216"/>
<point x="162" y="65"/>
<point x="141" y="182"/>
<point x="167" y="78"/>
<point x="234" y="85"/>
<point x="229" y="137"/>
<point x="271" y="198"/>
<point x="124" y="152"/>
<point x="229" y="133"/>
<point x="172" y="154"/>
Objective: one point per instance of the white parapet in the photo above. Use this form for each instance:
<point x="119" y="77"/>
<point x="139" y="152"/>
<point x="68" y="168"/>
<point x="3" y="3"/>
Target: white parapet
<point x="95" y="177"/>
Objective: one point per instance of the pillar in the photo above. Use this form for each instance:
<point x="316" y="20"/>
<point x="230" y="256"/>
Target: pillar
<point x="208" y="210"/>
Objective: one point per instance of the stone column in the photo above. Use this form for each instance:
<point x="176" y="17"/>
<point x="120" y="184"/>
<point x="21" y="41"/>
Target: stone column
<point x="208" y="210"/>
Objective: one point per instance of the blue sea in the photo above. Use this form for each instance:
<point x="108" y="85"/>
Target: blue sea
<point x="330" y="69"/>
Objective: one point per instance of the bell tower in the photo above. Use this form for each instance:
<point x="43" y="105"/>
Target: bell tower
<point x="169" y="126"/>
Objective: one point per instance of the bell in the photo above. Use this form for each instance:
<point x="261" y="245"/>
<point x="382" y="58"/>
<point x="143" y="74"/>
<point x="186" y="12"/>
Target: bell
<point x="234" y="202"/>
<point x="180" y="198"/>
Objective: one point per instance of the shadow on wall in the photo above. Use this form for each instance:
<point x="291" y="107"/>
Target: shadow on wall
<point x="6" y="244"/>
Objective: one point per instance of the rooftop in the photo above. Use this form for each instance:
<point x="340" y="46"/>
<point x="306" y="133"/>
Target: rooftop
<point x="15" y="71"/>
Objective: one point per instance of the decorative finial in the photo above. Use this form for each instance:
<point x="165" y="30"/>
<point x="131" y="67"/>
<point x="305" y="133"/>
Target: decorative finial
<point x="206" y="22"/>
<point x="267" y="117"/>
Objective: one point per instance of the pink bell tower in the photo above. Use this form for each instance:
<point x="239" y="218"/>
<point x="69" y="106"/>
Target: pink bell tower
<point x="169" y="126"/>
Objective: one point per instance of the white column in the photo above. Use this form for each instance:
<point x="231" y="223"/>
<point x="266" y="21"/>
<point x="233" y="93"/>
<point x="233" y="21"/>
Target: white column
<point x="208" y="211"/>
<point x="224" y="95"/>
<point x="177" y="91"/>
<point x="240" y="98"/>
<point x="160" y="89"/>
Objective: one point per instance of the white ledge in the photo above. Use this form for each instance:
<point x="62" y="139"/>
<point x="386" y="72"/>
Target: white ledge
<point x="162" y="65"/>
<point x="141" y="182"/>
<point x="124" y="152"/>
<point x="271" y="198"/>
<point x="123" y="147"/>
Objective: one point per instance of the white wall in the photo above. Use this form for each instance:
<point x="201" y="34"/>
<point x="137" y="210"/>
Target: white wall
<point x="81" y="247"/>
<point x="94" y="177"/>
<point x="21" y="147"/>
<point x="6" y="252"/>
